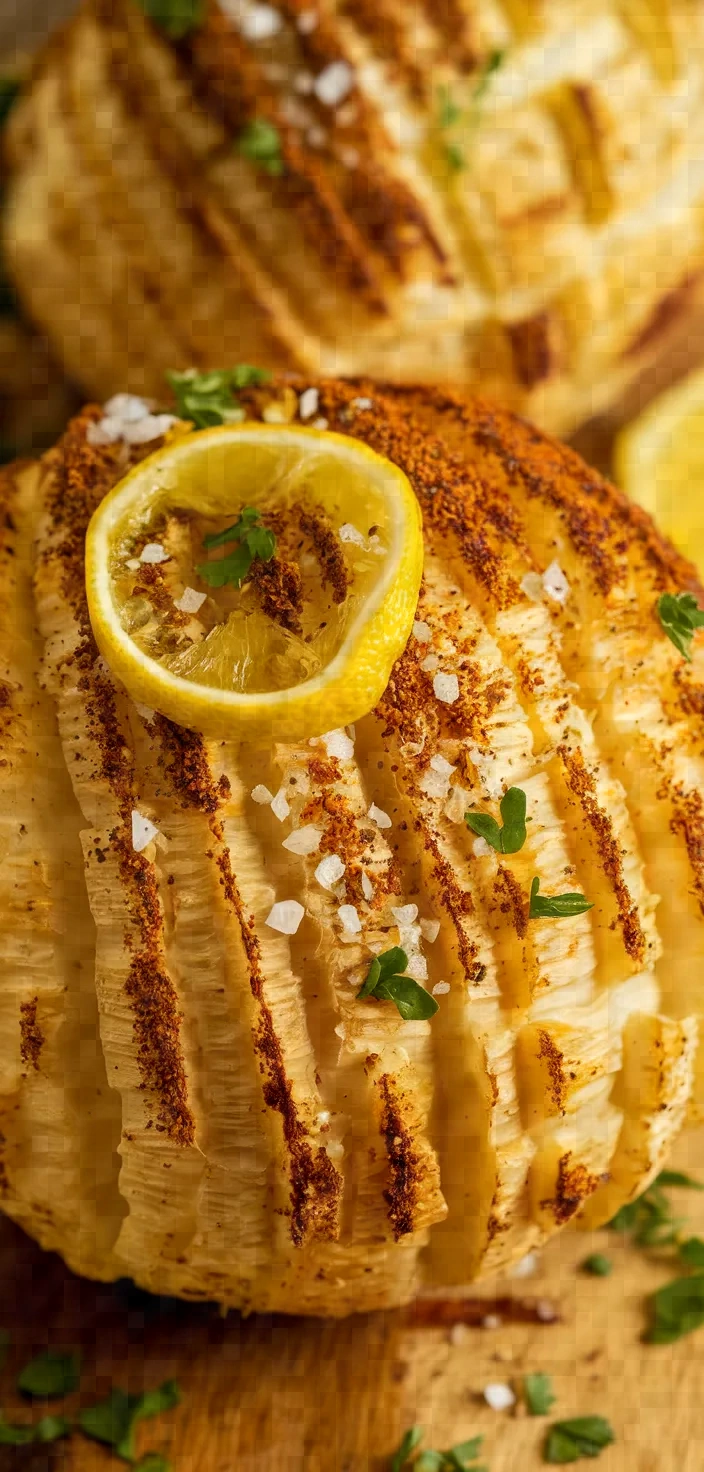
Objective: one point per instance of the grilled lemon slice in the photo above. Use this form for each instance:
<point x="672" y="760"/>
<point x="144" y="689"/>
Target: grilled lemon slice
<point x="286" y="634"/>
<point x="659" y="461"/>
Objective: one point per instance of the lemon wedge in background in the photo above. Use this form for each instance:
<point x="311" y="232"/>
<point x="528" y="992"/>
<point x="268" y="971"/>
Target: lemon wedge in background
<point x="659" y="462"/>
<point x="256" y="581"/>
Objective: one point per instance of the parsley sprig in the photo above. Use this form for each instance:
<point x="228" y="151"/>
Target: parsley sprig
<point x="450" y="114"/>
<point x="260" y="142"/>
<point x="210" y="398"/>
<point x="511" y="837"/>
<point x="50" y="1428"/>
<point x="539" y="1393"/>
<point x="680" y="615"/>
<point x="253" y="540"/>
<point x="558" y="906"/>
<point x="598" y="1265"/>
<point x="385" y="982"/>
<point x="459" y="1458"/>
<point x="585" y="1436"/>
<point x="649" y="1219"/>
<point x="176" y="18"/>
<point x="49" y="1374"/>
<point x="114" y="1420"/>
<point x="677" y="1308"/>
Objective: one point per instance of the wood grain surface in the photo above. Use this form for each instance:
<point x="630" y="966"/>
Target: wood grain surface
<point x="281" y="1395"/>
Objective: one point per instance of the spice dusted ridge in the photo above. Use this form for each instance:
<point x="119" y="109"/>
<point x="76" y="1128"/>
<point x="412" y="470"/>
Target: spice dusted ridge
<point x="355" y="1154"/>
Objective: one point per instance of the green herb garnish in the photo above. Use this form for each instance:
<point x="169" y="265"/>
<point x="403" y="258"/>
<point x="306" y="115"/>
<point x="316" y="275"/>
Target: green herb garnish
<point x="114" y="1421"/>
<point x="260" y="141"/>
<point x="460" y="1458"/>
<point x="680" y="615"/>
<point x="559" y="907"/>
<point x="176" y="18"/>
<point x="384" y="982"/>
<point x="209" y="398"/>
<point x="51" y="1373"/>
<point x="692" y="1252"/>
<point x="585" y="1436"/>
<point x="510" y="838"/>
<point x="450" y="114"/>
<point x="598" y="1265"/>
<point x="539" y="1393"/>
<point x="677" y="1309"/>
<point x="50" y="1428"/>
<point x="649" y="1218"/>
<point x="253" y="539"/>
<point x="10" y="88"/>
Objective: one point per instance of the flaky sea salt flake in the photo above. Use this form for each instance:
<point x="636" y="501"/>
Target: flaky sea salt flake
<point x="379" y="817"/>
<point x="367" y="887"/>
<point x="279" y="806"/>
<point x="500" y="1397"/>
<point x="430" y="663"/>
<point x="304" y="840"/>
<point x="337" y="743"/>
<point x="350" y="533"/>
<point x="153" y="553"/>
<point x="404" y="914"/>
<point x="441" y="988"/>
<point x="143" y="831"/>
<point x="447" y="688"/>
<point x="285" y="916"/>
<point x="350" y="919"/>
<point x="555" y="583"/>
<point x="308" y="403"/>
<point x="261" y="794"/>
<point x="334" y="83"/>
<point x="190" y="601"/>
<point x="329" y="870"/>
<point x="430" y="930"/>
<point x="421" y="631"/>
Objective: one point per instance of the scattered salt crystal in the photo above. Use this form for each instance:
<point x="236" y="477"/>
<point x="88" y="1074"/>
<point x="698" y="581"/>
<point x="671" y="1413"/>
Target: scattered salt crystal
<point x="323" y="1116"/>
<point x="320" y="423"/>
<point x="329" y="870"/>
<point x="133" y="564"/>
<point x="532" y="586"/>
<point x="149" y="428"/>
<point x="491" y="1321"/>
<point x="458" y="1333"/>
<point x="417" y="967"/>
<point x="499" y="1397"/>
<point x="546" y="1311"/>
<point x="430" y="929"/>
<point x="430" y="663"/>
<point x="447" y="688"/>
<point x="362" y="404"/>
<point x="153" y="553"/>
<point x="434" y="784"/>
<point x="307" y="22"/>
<point x="405" y="914"/>
<point x="421" y="631"/>
<point x="338" y="743"/>
<point x="340" y="1031"/>
<point x="481" y="848"/>
<point x="350" y="919"/>
<point x="367" y="887"/>
<point x="285" y="916"/>
<point x="349" y="533"/>
<point x="555" y="583"/>
<point x="525" y="1267"/>
<point x="143" y="831"/>
<point x="279" y="806"/>
<point x="259" y="22"/>
<point x="145" y="711"/>
<point x="126" y="407"/>
<point x="190" y="601"/>
<point x="334" y="83"/>
<point x="304" y="840"/>
<point x="104" y="432"/>
<point x="308" y="403"/>
<point x="440" y="764"/>
<point x="261" y="794"/>
<point x="379" y="817"/>
<point x="441" y="988"/>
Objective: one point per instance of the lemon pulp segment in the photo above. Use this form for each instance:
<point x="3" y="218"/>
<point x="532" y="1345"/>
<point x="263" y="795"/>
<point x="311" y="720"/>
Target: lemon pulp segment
<point x="659" y="461"/>
<point x="307" y="642"/>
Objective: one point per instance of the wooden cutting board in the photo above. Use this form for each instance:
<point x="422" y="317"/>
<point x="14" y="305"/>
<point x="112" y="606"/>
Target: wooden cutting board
<point x="277" y="1395"/>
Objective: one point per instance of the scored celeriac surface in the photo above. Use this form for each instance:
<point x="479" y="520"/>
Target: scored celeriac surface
<point x="281" y="1144"/>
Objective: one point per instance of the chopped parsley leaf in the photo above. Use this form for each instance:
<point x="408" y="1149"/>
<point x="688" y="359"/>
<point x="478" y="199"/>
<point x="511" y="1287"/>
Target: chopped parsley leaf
<point x="51" y="1373"/>
<point x="585" y="1436"/>
<point x="385" y="984"/>
<point x="254" y="540"/>
<point x="539" y="1393"/>
<point x="692" y="1252"/>
<point x="598" y="1264"/>
<point x="649" y="1218"/>
<point x="209" y="398"/>
<point x="460" y="1458"/>
<point x="260" y="142"/>
<point x="677" y="1309"/>
<point x="679" y="1179"/>
<point x="176" y="18"/>
<point x="559" y="906"/>
<point x="114" y="1421"/>
<point x="680" y="615"/>
<point x="511" y="838"/>
<point x="450" y="114"/>
<point x="50" y="1428"/>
